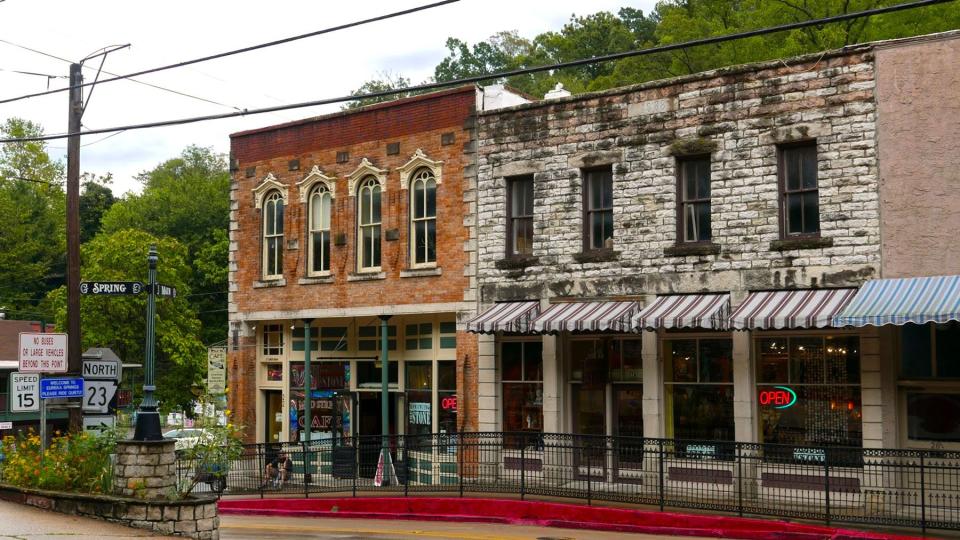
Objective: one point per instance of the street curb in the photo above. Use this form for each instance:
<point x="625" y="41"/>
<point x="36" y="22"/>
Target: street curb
<point x="547" y="514"/>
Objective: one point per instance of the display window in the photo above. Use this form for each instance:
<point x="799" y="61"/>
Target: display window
<point x="329" y="400"/>
<point x="447" y="396"/>
<point x="419" y="383"/>
<point x="521" y="368"/>
<point x="808" y="392"/>
<point x="698" y="393"/>
<point x="929" y="380"/>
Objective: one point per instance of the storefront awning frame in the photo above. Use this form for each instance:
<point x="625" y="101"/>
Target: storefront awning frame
<point x="586" y="317"/>
<point x="790" y="309"/>
<point x="707" y="311"/>
<point x="513" y="317"/>
<point x="898" y="301"/>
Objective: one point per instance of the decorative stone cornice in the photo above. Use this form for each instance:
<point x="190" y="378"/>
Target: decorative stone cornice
<point x="269" y="184"/>
<point x="315" y="177"/>
<point x="417" y="161"/>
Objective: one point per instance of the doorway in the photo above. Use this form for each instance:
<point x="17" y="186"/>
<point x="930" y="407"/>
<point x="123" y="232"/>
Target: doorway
<point x="369" y="428"/>
<point x="273" y="415"/>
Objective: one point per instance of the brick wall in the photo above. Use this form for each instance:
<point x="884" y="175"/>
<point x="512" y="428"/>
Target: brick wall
<point x="741" y="114"/>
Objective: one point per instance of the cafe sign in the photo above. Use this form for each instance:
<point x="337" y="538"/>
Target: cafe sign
<point x="778" y="397"/>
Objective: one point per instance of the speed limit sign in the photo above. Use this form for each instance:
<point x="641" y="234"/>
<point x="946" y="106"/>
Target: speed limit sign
<point x="97" y="395"/>
<point x="24" y="392"/>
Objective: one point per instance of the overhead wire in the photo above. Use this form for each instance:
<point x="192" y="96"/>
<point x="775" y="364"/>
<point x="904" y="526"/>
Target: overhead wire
<point x="244" y="49"/>
<point x="502" y="74"/>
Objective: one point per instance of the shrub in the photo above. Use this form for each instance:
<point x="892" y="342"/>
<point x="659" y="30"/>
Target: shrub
<point x="78" y="462"/>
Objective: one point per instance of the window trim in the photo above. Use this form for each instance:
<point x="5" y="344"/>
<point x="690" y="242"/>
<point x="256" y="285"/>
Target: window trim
<point x="321" y="190"/>
<point x="510" y="182"/>
<point x="368" y="183"/>
<point x="586" y="211"/>
<point x="272" y="198"/>
<point x="424" y="175"/>
<point x="782" y="191"/>
<point x="681" y="202"/>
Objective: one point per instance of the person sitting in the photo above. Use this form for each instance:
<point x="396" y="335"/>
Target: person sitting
<point x="278" y="470"/>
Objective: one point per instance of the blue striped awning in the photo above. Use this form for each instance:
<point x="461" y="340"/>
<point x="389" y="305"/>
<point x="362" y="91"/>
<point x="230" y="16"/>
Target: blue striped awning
<point x="903" y="300"/>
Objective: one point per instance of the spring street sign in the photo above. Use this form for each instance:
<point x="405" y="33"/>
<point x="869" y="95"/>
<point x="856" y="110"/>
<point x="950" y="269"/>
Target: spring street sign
<point x="111" y="287"/>
<point x="43" y="353"/>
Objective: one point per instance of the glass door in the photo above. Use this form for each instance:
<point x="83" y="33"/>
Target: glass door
<point x="589" y="427"/>
<point x="273" y="419"/>
<point x="628" y="425"/>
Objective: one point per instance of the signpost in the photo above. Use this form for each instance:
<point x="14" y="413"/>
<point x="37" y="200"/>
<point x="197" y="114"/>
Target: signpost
<point x="111" y="287"/>
<point x="217" y="370"/>
<point x="42" y="353"/>
<point x="24" y="392"/>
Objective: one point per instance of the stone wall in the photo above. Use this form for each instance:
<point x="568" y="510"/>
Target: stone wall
<point x="192" y="518"/>
<point x="739" y="115"/>
<point x="145" y="469"/>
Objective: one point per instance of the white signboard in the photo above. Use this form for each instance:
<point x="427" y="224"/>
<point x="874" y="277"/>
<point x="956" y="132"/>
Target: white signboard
<point x="217" y="370"/>
<point x="24" y="392"/>
<point x="97" y="395"/>
<point x="43" y="353"/>
<point x="98" y="422"/>
<point x="101" y="370"/>
<point x="6" y="425"/>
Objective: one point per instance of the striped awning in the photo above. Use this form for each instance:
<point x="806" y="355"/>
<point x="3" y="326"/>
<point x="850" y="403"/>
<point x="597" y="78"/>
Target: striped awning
<point x="809" y="308"/>
<point x="686" y="311"/>
<point x="904" y="300"/>
<point x="505" y="317"/>
<point x="586" y="317"/>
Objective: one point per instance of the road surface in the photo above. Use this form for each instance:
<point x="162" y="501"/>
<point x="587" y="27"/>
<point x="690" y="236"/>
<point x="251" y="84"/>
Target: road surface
<point x="28" y="523"/>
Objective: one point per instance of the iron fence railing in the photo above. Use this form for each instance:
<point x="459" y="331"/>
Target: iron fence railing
<point x="903" y="488"/>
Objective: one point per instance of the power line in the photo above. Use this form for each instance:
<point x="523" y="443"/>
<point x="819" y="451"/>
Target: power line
<point x="245" y="49"/>
<point x="144" y="83"/>
<point x="502" y="74"/>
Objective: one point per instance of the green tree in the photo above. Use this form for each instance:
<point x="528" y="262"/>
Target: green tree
<point x="187" y="198"/>
<point x="95" y="199"/>
<point x="32" y="221"/>
<point x="119" y="322"/>
<point x="382" y="82"/>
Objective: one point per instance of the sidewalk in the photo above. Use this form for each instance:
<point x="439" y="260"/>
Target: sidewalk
<point x="27" y="522"/>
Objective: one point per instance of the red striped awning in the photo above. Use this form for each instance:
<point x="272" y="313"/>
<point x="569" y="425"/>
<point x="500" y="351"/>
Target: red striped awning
<point x="586" y="317"/>
<point x="808" y="308"/>
<point x="686" y="311"/>
<point x="505" y="317"/>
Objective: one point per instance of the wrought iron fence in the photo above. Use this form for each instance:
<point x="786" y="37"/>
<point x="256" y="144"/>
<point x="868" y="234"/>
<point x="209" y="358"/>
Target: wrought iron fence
<point x="902" y="488"/>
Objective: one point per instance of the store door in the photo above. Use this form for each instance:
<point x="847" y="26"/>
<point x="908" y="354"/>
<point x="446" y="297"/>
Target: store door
<point x="589" y="426"/>
<point x="628" y="425"/>
<point x="369" y="428"/>
<point x="273" y="415"/>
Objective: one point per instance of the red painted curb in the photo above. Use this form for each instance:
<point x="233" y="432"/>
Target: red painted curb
<point x="548" y="514"/>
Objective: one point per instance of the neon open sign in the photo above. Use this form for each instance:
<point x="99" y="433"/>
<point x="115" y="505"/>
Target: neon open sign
<point x="779" y="397"/>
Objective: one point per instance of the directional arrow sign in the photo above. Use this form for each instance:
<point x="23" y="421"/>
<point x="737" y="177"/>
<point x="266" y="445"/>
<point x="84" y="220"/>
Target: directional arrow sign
<point x="97" y="395"/>
<point x="164" y="290"/>
<point x="111" y="287"/>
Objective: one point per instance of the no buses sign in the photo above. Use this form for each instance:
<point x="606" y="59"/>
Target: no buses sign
<point x="43" y="353"/>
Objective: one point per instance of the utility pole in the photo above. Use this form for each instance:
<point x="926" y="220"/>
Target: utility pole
<point x="73" y="233"/>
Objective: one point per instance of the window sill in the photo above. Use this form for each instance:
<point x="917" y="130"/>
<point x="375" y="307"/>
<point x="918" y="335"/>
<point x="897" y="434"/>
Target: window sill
<point x="268" y="283"/>
<point x="367" y="276"/>
<point x="421" y="272"/>
<point x="596" y="255"/>
<point x="316" y="280"/>
<point x="516" y="262"/>
<point x="698" y="248"/>
<point x="808" y="242"/>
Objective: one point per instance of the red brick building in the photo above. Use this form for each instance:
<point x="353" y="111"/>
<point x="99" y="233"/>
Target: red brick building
<point x="340" y="219"/>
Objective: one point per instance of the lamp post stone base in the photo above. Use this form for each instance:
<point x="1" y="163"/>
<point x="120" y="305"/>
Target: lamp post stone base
<point x="145" y="469"/>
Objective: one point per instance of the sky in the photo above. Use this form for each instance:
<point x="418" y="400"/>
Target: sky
<point x="161" y="33"/>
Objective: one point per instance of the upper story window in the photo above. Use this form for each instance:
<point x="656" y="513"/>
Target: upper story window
<point x="272" y="339"/>
<point x="799" y="195"/>
<point x="423" y="218"/>
<point x="520" y="215"/>
<point x="368" y="224"/>
<point x="273" y="235"/>
<point x="598" y="209"/>
<point x="694" y="203"/>
<point x="321" y="204"/>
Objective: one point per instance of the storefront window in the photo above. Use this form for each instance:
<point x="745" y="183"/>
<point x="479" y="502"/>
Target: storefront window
<point x="447" y="396"/>
<point x="699" y="396"/>
<point x="419" y="337"/>
<point x="931" y="351"/>
<point x="368" y="338"/>
<point x="333" y="338"/>
<point x="329" y="400"/>
<point x="274" y="372"/>
<point x="419" y="400"/>
<point x="369" y="373"/>
<point x="808" y="390"/>
<point x="272" y="339"/>
<point x="522" y="375"/>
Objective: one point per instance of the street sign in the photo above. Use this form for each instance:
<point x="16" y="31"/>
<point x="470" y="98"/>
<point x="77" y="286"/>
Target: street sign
<point x="24" y="392"/>
<point x="216" y="370"/>
<point x="107" y="370"/>
<point x="97" y="395"/>
<point x="6" y="425"/>
<point x="67" y="387"/>
<point x="111" y="287"/>
<point x="98" y="422"/>
<point x="164" y="290"/>
<point x="43" y="353"/>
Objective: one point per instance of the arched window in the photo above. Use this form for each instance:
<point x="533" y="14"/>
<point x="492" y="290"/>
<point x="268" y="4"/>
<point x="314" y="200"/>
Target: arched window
<point x="321" y="203"/>
<point x="368" y="224"/>
<point x="423" y="218"/>
<point x="273" y="235"/>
